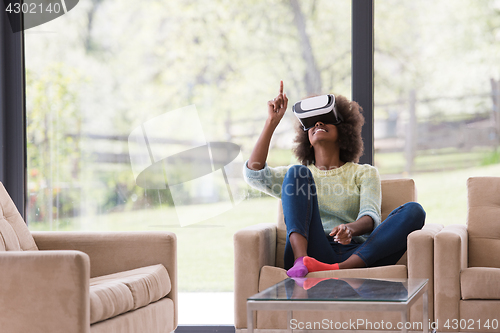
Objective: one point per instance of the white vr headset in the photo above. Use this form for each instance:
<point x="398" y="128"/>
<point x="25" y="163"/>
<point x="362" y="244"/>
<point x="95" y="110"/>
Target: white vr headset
<point x="320" y="108"/>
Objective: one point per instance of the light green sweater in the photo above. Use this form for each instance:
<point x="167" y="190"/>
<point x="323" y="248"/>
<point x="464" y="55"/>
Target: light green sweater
<point x="345" y="194"/>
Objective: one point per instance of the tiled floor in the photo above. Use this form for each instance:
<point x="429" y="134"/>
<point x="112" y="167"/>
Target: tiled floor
<point x="206" y="308"/>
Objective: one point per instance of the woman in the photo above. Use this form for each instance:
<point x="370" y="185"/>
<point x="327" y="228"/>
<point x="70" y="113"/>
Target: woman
<point x="331" y="204"/>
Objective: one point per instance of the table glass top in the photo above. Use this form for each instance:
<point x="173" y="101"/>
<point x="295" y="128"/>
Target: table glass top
<point x="341" y="289"/>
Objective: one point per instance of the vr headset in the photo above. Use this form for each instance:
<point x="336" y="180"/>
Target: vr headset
<point x="320" y="108"/>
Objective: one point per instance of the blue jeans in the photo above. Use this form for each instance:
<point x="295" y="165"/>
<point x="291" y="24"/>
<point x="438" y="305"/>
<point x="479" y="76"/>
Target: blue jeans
<point x="385" y="246"/>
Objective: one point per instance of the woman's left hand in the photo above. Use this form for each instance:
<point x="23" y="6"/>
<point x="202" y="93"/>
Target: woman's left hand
<point x="342" y="234"/>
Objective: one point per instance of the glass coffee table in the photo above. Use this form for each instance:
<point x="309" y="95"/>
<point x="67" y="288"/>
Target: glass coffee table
<point x="341" y="294"/>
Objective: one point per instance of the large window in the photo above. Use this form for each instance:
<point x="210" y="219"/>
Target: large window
<point x="141" y="113"/>
<point x="437" y="97"/>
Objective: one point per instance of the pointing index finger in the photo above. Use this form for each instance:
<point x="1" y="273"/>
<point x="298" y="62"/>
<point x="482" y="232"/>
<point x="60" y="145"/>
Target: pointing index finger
<point x="281" y="86"/>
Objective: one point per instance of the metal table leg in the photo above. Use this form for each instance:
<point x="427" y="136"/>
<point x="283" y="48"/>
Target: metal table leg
<point x="249" y="320"/>
<point x="426" y="312"/>
<point x="404" y="320"/>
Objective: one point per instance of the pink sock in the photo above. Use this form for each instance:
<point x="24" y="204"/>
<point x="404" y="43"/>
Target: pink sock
<point x="298" y="269"/>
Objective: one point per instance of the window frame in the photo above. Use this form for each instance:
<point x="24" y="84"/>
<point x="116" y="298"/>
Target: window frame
<point x="362" y="25"/>
<point x="13" y="172"/>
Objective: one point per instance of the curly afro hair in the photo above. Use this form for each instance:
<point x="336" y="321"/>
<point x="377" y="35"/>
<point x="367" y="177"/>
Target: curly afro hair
<point x="349" y="132"/>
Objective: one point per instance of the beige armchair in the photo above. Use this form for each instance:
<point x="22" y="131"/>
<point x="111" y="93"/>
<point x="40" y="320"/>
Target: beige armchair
<point x="467" y="264"/>
<point x="61" y="282"/>
<point x="259" y="264"/>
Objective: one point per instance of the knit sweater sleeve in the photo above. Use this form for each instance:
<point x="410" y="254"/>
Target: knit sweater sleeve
<point x="268" y="180"/>
<point x="370" y="200"/>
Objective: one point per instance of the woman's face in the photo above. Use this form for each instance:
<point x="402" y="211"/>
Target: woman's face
<point x="322" y="132"/>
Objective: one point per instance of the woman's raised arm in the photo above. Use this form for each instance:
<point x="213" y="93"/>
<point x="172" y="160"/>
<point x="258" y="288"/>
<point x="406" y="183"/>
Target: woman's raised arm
<point x="275" y="110"/>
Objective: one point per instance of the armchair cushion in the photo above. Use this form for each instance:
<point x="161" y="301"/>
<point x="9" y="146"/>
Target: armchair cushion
<point x="14" y="233"/>
<point x="109" y="299"/>
<point x="8" y="237"/>
<point x="114" y="294"/>
<point x="480" y="283"/>
<point x="483" y="226"/>
<point x="157" y="317"/>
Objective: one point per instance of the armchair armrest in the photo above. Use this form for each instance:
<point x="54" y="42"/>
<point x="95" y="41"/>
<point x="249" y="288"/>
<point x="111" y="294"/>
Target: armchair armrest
<point x="113" y="252"/>
<point x="254" y="247"/>
<point x="44" y="291"/>
<point x="421" y="262"/>
<point x="450" y="257"/>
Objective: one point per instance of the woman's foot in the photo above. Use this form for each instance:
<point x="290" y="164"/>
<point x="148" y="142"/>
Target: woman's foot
<point x="314" y="265"/>
<point x="299" y="269"/>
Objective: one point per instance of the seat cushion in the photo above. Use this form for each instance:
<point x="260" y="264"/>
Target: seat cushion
<point x="114" y="294"/>
<point x="8" y="237"/>
<point x="483" y="226"/>
<point x="14" y="233"/>
<point x="157" y="317"/>
<point x="480" y="283"/>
